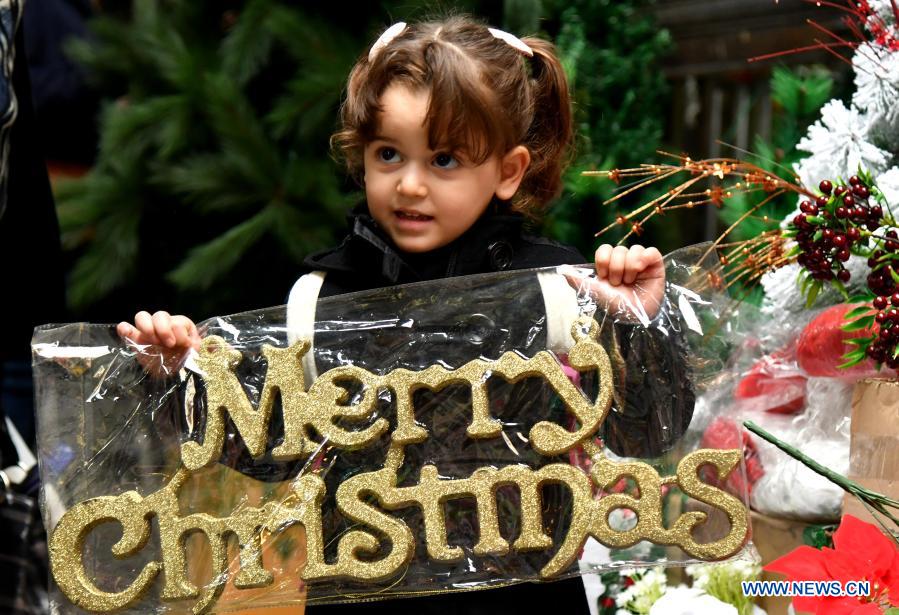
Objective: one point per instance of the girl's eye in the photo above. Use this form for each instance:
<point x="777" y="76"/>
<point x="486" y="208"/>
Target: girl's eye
<point x="445" y="161"/>
<point x="388" y="154"/>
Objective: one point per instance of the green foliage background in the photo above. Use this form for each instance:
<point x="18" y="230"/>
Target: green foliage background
<point x="214" y="178"/>
<point x="612" y="52"/>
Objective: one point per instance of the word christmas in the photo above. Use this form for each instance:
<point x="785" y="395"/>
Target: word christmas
<point x="360" y="551"/>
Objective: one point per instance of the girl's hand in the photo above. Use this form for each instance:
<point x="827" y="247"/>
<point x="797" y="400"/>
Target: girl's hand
<point x="162" y="341"/>
<point x="631" y="280"/>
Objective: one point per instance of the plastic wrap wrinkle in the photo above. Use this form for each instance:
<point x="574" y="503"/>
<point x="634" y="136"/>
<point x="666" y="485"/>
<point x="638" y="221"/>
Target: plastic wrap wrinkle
<point x="763" y="381"/>
<point x="440" y="447"/>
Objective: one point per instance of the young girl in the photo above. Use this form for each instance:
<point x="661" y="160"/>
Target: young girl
<point x="459" y="134"/>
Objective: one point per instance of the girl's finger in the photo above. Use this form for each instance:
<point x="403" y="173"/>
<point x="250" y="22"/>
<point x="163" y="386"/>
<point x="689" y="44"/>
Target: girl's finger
<point x="616" y="265"/>
<point x="602" y="258"/>
<point x="634" y="265"/>
<point x="144" y="324"/>
<point x="194" y="335"/>
<point x="162" y="324"/>
<point x="126" y="331"/>
<point x="182" y="334"/>
<point x="652" y="257"/>
<point x="191" y="337"/>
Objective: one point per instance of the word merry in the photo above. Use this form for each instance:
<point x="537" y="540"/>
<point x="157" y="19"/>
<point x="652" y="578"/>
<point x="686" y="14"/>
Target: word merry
<point x="324" y="402"/>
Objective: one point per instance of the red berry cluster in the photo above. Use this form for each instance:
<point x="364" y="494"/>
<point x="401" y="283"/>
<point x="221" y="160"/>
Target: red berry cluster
<point x="841" y="218"/>
<point x="830" y="225"/>
<point x="883" y="347"/>
<point x="880" y="280"/>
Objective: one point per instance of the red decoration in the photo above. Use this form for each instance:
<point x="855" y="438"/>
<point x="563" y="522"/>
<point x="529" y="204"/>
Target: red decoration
<point x="725" y="434"/>
<point x="774" y="384"/>
<point x="861" y="552"/>
<point x="823" y="344"/>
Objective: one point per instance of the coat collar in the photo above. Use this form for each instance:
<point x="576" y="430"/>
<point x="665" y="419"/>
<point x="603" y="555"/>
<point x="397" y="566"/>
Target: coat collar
<point x="489" y="245"/>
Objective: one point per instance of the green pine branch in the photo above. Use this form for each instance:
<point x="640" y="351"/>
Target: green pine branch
<point x="109" y="260"/>
<point x="310" y="41"/>
<point x="238" y="130"/>
<point x="800" y="95"/>
<point x="247" y="47"/>
<point x="212" y="183"/>
<point x="211" y="261"/>
<point x="307" y="104"/>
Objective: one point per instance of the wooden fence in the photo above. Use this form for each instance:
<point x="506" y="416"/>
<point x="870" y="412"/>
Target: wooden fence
<point x="717" y="94"/>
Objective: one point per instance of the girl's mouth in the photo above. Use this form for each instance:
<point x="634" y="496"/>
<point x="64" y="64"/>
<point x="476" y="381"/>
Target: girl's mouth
<point x="409" y="216"/>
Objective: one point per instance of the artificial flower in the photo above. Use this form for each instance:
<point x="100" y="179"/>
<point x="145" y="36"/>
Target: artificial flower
<point x="883" y="9"/>
<point x="861" y="552"/>
<point x="784" y="301"/>
<point x="725" y="433"/>
<point x="838" y="144"/>
<point x="880" y="21"/>
<point x="723" y="581"/>
<point x="643" y="592"/>
<point x="789" y="486"/>
<point x="888" y="183"/>
<point x="684" y="600"/>
<point x="876" y="90"/>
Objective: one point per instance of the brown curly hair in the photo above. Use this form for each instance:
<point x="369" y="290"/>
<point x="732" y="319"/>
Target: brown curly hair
<point x="486" y="97"/>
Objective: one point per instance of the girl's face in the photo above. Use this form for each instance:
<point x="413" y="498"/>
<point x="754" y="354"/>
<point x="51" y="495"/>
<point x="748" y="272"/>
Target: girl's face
<point x="424" y="198"/>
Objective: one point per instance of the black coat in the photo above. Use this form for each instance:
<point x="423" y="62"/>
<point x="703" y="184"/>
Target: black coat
<point x="367" y="259"/>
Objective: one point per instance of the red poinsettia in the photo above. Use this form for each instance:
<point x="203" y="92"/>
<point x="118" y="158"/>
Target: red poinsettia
<point x="861" y="553"/>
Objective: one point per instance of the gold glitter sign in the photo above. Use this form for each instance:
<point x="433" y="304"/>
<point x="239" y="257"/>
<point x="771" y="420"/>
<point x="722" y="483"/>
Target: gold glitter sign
<point x="324" y="412"/>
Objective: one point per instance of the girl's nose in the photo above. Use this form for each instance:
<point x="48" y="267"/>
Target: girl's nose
<point x="412" y="184"/>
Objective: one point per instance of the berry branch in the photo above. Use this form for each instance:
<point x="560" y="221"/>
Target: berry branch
<point x="840" y="222"/>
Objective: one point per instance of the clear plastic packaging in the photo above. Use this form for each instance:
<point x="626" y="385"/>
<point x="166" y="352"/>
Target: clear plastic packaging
<point x="444" y="436"/>
<point x="767" y="381"/>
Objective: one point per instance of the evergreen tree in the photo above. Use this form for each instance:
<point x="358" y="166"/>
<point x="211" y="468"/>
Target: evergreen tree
<point x="612" y="53"/>
<point x="213" y="177"/>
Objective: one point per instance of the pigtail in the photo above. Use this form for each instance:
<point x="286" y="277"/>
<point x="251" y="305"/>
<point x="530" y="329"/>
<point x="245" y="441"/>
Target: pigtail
<point x="348" y="142"/>
<point x="549" y="136"/>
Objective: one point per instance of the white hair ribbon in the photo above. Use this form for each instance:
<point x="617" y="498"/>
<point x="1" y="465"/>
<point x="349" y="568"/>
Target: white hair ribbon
<point x="389" y="34"/>
<point x="512" y="40"/>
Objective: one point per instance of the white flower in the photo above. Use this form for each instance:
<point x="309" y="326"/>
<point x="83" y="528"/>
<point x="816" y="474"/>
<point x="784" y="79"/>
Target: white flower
<point x="647" y="588"/>
<point x="838" y="144"/>
<point x="877" y="89"/>
<point x="701" y="582"/>
<point x="813" y="169"/>
<point x="782" y="294"/>
<point x="624" y="597"/>
<point x="722" y="580"/>
<point x="889" y="184"/>
<point x="747" y="570"/>
<point x="683" y="600"/>
<point x="884" y="9"/>
<point x="695" y="570"/>
<point x="784" y="302"/>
